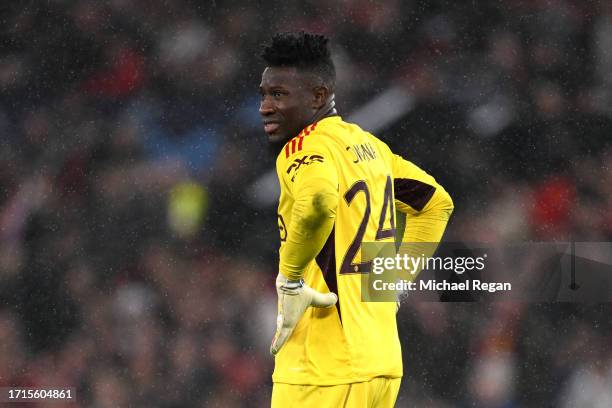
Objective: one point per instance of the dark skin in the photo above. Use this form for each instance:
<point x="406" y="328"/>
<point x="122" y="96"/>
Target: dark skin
<point x="292" y="99"/>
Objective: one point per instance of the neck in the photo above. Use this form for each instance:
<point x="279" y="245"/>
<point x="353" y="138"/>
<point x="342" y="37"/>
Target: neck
<point x="329" y="109"/>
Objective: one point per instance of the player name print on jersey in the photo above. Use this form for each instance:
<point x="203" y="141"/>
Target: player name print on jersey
<point x="295" y="144"/>
<point x="362" y="152"/>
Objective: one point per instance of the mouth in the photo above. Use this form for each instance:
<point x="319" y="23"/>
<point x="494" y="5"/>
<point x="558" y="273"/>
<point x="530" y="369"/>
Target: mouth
<point x="271" y="127"/>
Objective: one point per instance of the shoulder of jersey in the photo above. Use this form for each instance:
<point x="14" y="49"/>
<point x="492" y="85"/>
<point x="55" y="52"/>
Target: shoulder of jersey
<point x="302" y="141"/>
<point x="379" y="143"/>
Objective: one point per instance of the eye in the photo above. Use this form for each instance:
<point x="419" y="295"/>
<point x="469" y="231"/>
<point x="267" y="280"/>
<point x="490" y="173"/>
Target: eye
<point x="276" y="94"/>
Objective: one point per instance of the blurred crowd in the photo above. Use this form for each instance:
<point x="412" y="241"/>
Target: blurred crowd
<point x="135" y="266"/>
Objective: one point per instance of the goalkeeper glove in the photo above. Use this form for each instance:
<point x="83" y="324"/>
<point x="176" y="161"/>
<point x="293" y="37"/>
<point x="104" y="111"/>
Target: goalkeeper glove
<point x="294" y="297"/>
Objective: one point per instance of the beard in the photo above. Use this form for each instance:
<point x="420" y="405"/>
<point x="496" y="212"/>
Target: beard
<point x="276" y="146"/>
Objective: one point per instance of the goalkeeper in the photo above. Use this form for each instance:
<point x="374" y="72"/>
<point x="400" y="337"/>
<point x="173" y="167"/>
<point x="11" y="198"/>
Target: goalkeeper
<point x="340" y="186"/>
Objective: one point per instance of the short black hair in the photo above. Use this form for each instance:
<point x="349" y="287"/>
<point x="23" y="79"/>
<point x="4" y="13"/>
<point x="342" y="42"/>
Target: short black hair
<point x="305" y="51"/>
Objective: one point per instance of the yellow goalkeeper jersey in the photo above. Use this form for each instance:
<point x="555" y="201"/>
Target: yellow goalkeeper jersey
<point x="336" y="162"/>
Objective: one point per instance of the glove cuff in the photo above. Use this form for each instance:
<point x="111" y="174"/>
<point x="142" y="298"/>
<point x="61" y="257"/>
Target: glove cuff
<point x="294" y="284"/>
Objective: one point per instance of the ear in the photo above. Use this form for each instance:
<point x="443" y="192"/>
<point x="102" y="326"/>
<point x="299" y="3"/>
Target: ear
<point x="320" y="95"/>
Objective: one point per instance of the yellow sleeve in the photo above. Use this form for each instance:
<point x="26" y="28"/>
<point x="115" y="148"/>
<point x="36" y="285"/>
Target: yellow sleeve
<point x="427" y="206"/>
<point x="315" y="192"/>
<point x="425" y="202"/>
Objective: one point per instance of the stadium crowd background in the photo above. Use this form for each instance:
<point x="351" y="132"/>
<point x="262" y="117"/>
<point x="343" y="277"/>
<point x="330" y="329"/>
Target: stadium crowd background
<point x="135" y="265"/>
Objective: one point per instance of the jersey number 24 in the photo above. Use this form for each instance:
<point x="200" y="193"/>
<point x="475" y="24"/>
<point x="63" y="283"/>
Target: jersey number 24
<point x="348" y="265"/>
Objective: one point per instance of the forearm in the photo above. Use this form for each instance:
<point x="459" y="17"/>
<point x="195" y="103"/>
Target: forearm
<point x="312" y="220"/>
<point x="425" y="229"/>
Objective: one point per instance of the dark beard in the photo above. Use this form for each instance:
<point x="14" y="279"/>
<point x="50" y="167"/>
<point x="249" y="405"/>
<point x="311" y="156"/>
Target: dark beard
<point x="274" y="148"/>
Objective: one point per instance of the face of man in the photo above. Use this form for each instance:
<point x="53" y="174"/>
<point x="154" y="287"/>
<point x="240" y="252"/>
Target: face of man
<point x="288" y="102"/>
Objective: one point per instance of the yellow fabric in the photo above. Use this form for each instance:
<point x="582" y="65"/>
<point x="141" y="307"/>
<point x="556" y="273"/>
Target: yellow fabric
<point x="380" y="392"/>
<point x="312" y="217"/>
<point x="426" y="226"/>
<point x="330" y="176"/>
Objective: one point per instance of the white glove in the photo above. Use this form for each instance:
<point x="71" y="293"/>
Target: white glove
<point x="294" y="297"/>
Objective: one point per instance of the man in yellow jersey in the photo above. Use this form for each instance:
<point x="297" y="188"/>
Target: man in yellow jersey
<point x="340" y="186"/>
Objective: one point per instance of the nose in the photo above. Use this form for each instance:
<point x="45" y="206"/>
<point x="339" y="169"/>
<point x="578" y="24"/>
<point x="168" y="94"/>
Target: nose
<point x="266" y="107"/>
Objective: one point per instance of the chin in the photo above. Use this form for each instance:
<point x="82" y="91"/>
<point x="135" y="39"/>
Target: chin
<point x="276" y="144"/>
<point x="276" y="138"/>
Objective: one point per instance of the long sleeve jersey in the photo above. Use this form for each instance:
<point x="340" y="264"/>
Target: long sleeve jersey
<point x="340" y="187"/>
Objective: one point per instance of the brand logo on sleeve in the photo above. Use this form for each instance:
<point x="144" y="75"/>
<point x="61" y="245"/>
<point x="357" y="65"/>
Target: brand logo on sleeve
<point x="303" y="161"/>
